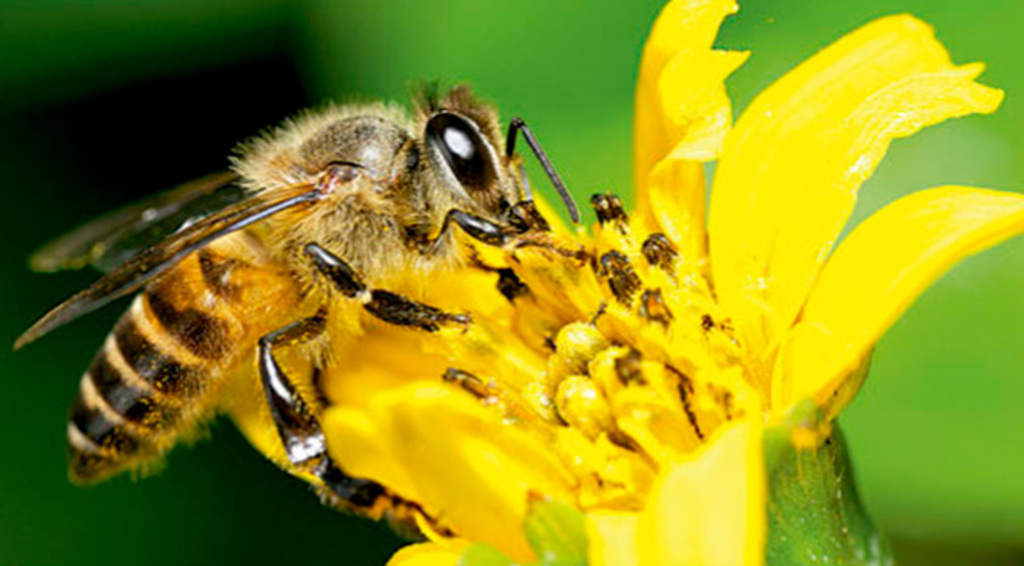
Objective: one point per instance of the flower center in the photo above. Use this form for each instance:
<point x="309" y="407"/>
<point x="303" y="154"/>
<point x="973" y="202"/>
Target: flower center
<point x="637" y="365"/>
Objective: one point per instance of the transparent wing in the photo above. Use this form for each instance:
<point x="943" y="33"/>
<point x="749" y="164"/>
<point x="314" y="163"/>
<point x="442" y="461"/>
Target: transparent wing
<point x="131" y="275"/>
<point x="112" y="239"/>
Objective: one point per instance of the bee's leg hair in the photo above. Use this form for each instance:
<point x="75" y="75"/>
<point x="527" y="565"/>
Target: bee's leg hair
<point x="385" y="305"/>
<point x="298" y="427"/>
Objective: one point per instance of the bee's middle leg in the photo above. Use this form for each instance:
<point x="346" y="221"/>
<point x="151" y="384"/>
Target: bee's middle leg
<point x="385" y="305"/>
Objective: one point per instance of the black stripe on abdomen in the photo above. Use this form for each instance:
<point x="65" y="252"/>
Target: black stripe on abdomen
<point x="128" y="395"/>
<point x="201" y="333"/>
<point x="100" y="444"/>
<point x="100" y="429"/>
<point x="151" y="364"/>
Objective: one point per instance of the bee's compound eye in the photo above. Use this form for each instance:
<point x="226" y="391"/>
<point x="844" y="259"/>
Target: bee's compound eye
<point x="463" y="148"/>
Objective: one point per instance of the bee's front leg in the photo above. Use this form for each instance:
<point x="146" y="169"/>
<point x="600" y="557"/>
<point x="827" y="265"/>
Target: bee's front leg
<point x="482" y="229"/>
<point x="385" y="305"/>
<point x="528" y="229"/>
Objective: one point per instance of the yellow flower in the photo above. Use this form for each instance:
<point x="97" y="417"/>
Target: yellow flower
<point x="632" y="373"/>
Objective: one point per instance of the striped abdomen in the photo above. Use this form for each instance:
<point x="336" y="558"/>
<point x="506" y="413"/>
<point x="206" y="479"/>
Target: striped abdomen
<point x="159" y="371"/>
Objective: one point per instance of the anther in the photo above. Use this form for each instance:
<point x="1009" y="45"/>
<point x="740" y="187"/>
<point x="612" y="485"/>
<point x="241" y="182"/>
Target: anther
<point x="510" y="285"/>
<point x="706" y="322"/>
<point x="659" y="252"/>
<point x="628" y="368"/>
<point x="608" y="208"/>
<point x="622" y="280"/>
<point x="468" y="382"/>
<point x="653" y="307"/>
<point x="525" y="216"/>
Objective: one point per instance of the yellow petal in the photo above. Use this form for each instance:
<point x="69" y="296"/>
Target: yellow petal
<point x="882" y="266"/>
<point x="788" y="177"/>
<point x="682" y="109"/>
<point x="612" y="539"/>
<point x="441" y="448"/>
<point x="443" y="553"/>
<point x="710" y="510"/>
<point x="674" y="97"/>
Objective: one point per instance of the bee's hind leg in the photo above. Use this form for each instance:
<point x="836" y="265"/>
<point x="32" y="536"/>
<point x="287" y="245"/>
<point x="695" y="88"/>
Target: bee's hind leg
<point x="299" y="429"/>
<point x="385" y="305"/>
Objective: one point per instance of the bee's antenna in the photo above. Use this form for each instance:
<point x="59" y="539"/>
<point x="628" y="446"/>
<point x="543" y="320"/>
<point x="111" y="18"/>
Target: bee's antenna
<point x="517" y="125"/>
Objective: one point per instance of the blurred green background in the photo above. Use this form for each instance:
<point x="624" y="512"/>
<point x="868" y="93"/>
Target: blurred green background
<point x="104" y="102"/>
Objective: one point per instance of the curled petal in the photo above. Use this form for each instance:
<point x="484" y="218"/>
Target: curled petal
<point x="789" y="175"/>
<point x="878" y="271"/>
<point x="682" y="111"/>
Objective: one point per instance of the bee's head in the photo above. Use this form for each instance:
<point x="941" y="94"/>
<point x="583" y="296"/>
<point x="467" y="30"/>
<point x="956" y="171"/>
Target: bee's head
<point x="465" y="151"/>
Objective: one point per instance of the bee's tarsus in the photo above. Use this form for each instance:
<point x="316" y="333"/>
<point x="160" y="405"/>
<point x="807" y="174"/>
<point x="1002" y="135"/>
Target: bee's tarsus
<point x="469" y="382"/>
<point x="510" y="285"/>
<point x="398" y="310"/>
<point x="357" y="492"/>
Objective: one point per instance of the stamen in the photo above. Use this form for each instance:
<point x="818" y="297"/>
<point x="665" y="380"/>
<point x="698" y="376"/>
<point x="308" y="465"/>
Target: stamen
<point x="510" y="286"/>
<point x="659" y="252"/>
<point x="582" y="406"/>
<point x="469" y="382"/>
<point x="653" y="307"/>
<point x="608" y="208"/>
<point x="628" y="368"/>
<point x="706" y="322"/>
<point x="622" y="280"/>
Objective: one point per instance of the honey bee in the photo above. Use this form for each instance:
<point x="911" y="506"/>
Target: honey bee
<point x="316" y="220"/>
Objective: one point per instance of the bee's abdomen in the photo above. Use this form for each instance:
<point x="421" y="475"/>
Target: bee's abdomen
<point x="151" y="380"/>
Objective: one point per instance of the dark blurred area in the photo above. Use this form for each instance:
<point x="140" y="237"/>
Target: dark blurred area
<point x="103" y="102"/>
